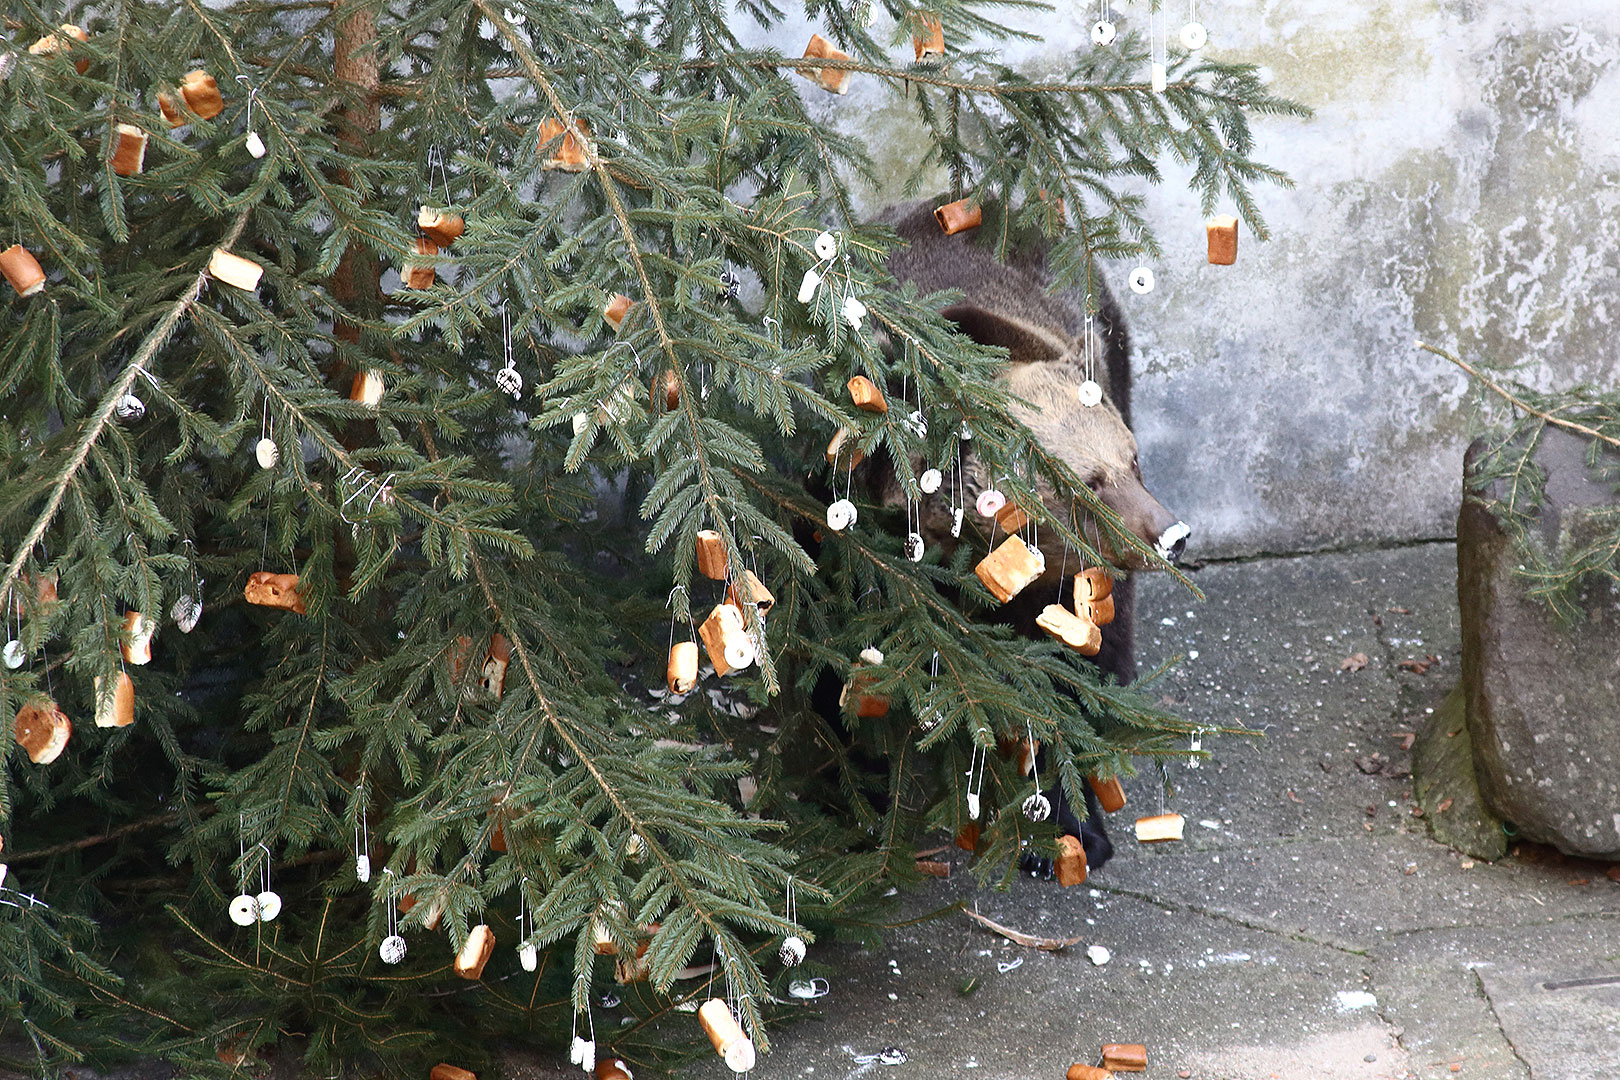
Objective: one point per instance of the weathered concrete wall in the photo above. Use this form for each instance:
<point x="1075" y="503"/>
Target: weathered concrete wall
<point x="1460" y="184"/>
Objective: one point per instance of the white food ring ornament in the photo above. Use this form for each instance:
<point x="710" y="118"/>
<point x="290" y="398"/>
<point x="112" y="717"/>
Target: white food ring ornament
<point x="528" y="956"/>
<point x="130" y="407"/>
<point x="930" y="481"/>
<point x="740" y="652"/>
<point x="1090" y="394"/>
<point x="914" y="547"/>
<point x="362" y="868"/>
<point x="792" y="951"/>
<point x="254" y="144"/>
<point x="508" y="381"/>
<point x="267" y="453"/>
<point x="990" y="502"/>
<point x="1102" y="33"/>
<point x="956" y="521"/>
<point x="1142" y="280"/>
<point x="392" y="949"/>
<point x="244" y="910"/>
<point x="841" y="515"/>
<point x="826" y="245"/>
<point x="1037" y="808"/>
<point x="185" y="611"/>
<point x="1193" y="36"/>
<point x="15" y="654"/>
<point x="269" y="904"/>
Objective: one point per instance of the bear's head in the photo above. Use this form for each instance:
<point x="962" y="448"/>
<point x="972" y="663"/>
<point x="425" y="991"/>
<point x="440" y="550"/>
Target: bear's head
<point x="1045" y="371"/>
<point x="1010" y="304"/>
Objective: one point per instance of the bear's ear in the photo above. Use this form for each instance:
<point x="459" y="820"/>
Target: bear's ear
<point x="1025" y="342"/>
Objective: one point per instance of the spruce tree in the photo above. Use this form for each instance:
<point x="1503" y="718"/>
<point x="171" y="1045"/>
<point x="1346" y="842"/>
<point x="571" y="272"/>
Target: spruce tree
<point x="456" y="686"/>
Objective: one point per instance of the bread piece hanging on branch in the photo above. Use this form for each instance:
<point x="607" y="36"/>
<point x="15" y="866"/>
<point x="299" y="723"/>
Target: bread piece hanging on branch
<point x="835" y="80"/>
<point x="866" y="395"/>
<point x="443" y="1071"/>
<point x="415" y="274"/>
<point x="234" y="270"/>
<point x="1079" y="634"/>
<point x="763" y="600"/>
<point x="682" y="671"/>
<point x="568" y="155"/>
<point x="1007" y="570"/>
<point x="493" y="675"/>
<point x="42" y="729"/>
<point x="1071" y="861"/>
<point x="61" y="42"/>
<point x="22" y="270"/>
<point x="725" y="637"/>
<point x="1223" y="238"/>
<point x="475" y="952"/>
<point x="129" y="150"/>
<point x="711" y="554"/>
<point x="928" y="39"/>
<point x="1110" y="793"/>
<point x="1161" y="828"/>
<point x="135" y="638"/>
<point x="274" y="590"/>
<point x="115" y="705"/>
<point x="726" y="1035"/>
<point x="367" y="387"/>
<point x="617" y="309"/>
<point x="200" y="93"/>
<point x="844" y="440"/>
<point x="440" y="226"/>
<point x="867" y="706"/>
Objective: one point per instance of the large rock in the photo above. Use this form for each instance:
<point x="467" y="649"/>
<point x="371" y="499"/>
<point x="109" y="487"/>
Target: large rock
<point x="1542" y="697"/>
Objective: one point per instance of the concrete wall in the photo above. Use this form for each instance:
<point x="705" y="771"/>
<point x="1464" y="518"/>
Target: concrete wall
<point x="1460" y="183"/>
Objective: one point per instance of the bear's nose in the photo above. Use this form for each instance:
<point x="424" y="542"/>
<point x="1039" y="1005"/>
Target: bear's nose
<point x="1173" y="541"/>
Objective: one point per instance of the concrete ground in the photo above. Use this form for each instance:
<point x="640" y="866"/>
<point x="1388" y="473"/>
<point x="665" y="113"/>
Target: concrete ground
<point x="1306" y="928"/>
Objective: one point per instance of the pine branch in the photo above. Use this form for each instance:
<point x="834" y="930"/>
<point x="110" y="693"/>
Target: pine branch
<point x="103" y="415"/>
<point x="1518" y="402"/>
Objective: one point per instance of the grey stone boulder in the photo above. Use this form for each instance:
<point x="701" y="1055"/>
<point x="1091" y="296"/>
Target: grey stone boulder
<point x="1542" y="697"/>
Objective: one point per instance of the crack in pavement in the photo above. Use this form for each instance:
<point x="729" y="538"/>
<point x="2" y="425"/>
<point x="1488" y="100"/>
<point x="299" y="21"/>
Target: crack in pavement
<point x="1222" y="916"/>
<point x="1496" y="1018"/>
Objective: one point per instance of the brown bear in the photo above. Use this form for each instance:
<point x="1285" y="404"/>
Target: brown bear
<point x="1011" y="305"/>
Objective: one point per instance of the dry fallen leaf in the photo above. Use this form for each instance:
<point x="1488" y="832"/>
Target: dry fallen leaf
<point x="1399" y="611"/>
<point x="1407" y="738"/>
<point x="1467" y="864"/>
<point x="933" y="869"/>
<point x="1018" y="937"/>
<point x="1292" y="797"/>
<point x="1353" y="662"/>
<point x="1580" y="881"/>
<point x="1443" y="807"/>
<point x="1614" y="873"/>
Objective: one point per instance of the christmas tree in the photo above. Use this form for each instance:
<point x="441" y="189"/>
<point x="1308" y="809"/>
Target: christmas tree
<point x="339" y="331"/>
